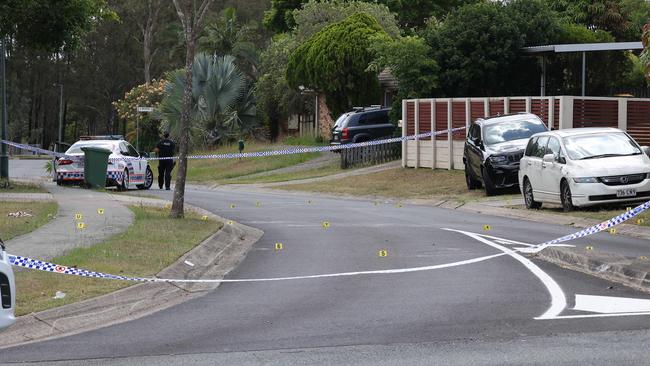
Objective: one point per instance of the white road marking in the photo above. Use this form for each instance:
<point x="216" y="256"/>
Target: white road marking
<point x="558" y="300"/>
<point x="343" y="274"/>
<point x="611" y="305"/>
<point x="595" y="315"/>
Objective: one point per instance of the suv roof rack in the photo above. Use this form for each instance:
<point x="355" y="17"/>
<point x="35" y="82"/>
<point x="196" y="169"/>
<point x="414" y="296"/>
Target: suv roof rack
<point x="363" y="109"/>
<point x="101" y="137"/>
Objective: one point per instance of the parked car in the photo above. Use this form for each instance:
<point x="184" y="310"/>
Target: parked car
<point x="123" y="174"/>
<point x="584" y="167"/>
<point x="7" y="291"/>
<point x="494" y="147"/>
<point x="362" y="124"/>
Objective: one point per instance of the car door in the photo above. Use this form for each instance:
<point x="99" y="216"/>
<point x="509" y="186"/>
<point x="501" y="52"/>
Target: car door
<point x="473" y="151"/>
<point x="551" y="173"/>
<point x="138" y="169"/>
<point x="534" y="166"/>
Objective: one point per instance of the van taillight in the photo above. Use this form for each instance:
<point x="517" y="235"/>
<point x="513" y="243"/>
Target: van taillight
<point x="345" y="134"/>
<point x="65" y="162"/>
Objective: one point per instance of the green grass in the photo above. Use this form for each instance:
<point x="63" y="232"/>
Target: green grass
<point x="153" y="242"/>
<point x="305" y="141"/>
<point x="219" y="170"/>
<point x="10" y="227"/>
<point x="284" y="177"/>
<point x="599" y="213"/>
<point x="18" y="187"/>
<point x="401" y="183"/>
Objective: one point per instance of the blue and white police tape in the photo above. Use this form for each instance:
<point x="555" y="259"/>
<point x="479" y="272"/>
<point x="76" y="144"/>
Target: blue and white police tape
<point x="605" y="225"/>
<point x="290" y="151"/>
<point x="39" y="265"/>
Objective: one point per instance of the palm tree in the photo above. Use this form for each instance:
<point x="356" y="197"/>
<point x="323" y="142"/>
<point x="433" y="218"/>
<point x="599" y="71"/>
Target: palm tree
<point x="221" y="103"/>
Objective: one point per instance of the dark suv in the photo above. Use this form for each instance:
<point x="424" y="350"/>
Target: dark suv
<point x="494" y="147"/>
<point x="362" y="124"/>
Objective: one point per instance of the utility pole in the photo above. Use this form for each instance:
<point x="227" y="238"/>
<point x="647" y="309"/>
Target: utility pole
<point x="4" y="159"/>
<point x="59" y="142"/>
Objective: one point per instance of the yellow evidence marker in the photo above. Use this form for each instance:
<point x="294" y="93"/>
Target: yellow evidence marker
<point x="487" y="227"/>
<point x="612" y="231"/>
<point x="81" y="225"/>
<point x="204" y="217"/>
<point x="589" y="247"/>
<point x="100" y="211"/>
<point x="258" y="204"/>
<point x="383" y="253"/>
<point x="643" y="258"/>
<point x="639" y="221"/>
<point x="78" y="216"/>
<point x="628" y="208"/>
<point x="232" y="205"/>
<point x="326" y="224"/>
<point x="399" y="205"/>
<point x="278" y="246"/>
<point x="230" y="222"/>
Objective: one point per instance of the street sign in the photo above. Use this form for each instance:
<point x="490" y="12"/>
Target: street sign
<point x="145" y="109"/>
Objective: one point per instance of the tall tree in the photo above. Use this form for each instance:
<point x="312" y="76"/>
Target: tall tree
<point x="607" y="15"/>
<point x="645" y="56"/>
<point x="335" y="61"/>
<point x="191" y="18"/>
<point x="279" y="18"/>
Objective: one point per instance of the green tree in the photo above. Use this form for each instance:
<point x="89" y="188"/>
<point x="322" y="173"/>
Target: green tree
<point x="50" y="24"/>
<point x="410" y="60"/>
<point x="217" y="87"/>
<point x="279" y="18"/>
<point x="607" y="15"/>
<point x="335" y="60"/>
<point x="413" y="14"/>
<point x="227" y="36"/>
<point x="475" y="47"/>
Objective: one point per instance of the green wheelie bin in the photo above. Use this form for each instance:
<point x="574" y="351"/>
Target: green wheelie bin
<point x="95" y="166"/>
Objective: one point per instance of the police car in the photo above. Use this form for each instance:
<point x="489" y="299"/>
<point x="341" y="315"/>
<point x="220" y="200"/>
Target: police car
<point x="7" y="291"/>
<point x="124" y="172"/>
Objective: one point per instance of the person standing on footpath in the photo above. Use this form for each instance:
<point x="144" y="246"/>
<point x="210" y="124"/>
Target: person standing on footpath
<point x="165" y="149"/>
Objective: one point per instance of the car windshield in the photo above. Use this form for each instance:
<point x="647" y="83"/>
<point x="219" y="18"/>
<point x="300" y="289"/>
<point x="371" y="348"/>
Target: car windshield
<point x="512" y="130"/>
<point x="76" y="148"/>
<point x="600" y="146"/>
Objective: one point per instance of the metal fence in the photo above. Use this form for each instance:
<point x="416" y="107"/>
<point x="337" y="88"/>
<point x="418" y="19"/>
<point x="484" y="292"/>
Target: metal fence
<point x="370" y="155"/>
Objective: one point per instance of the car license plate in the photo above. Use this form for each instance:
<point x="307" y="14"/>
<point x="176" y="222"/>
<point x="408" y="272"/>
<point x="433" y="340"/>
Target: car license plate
<point x="626" y="193"/>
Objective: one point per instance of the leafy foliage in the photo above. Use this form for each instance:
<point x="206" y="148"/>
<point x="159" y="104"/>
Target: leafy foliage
<point x="279" y="18"/>
<point x="222" y="108"/>
<point x="145" y="95"/>
<point x="335" y="60"/>
<point x="607" y="15"/>
<point x="50" y="24"/>
<point x="413" y="14"/>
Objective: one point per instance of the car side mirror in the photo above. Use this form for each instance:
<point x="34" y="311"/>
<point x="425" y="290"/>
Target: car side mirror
<point x="548" y="158"/>
<point x="561" y="159"/>
<point x="144" y="154"/>
<point x="646" y="150"/>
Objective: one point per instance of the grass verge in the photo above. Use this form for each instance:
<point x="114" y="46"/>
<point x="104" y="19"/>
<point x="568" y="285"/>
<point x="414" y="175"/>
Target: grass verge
<point x="220" y="170"/>
<point x="600" y="213"/>
<point x="284" y="177"/>
<point x="10" y="227"/>
<point x="401" y="183"/>
<point x="19" y="187"/>
<point x="142" y="250"/>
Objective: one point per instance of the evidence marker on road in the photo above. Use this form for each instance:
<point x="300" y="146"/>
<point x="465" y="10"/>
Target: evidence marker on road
<point x="382" y="253"/>
<point x="589" y="247"/>
<point x="100" y="211"/>
<point x="230" y="222"/>
<point x="487" y="227"/>
<point x="258" y="204"/>
<point x="326" y="224"/>
<point x="81" y="225"/>
<point x="232" y="205"/>
<point x="639" y="221"/>
<point x="78" y="216"/>
<point x="278" y="246"/>
<point x="612" y="231"/>
<point x="204" y="217"/>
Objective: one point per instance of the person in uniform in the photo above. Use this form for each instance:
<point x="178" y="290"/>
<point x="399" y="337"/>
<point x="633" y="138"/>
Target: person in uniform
<point x="165" y="149"/>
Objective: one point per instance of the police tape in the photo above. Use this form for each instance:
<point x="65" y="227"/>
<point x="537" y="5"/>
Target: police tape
<point x="300" y="150"/>
<point x="39" y="265"/>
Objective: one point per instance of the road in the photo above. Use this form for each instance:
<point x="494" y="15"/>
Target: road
<point x="505" y="309"/>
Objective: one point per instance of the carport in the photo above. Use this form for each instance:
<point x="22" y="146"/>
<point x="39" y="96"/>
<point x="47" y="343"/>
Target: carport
<point x="574" y="48"/>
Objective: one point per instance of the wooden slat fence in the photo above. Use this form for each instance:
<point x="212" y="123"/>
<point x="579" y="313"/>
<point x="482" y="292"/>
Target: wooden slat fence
<point x="370" y="155"/>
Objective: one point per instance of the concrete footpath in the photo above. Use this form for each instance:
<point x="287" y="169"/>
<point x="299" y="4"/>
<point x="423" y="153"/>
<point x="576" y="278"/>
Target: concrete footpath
<point x="84" y="218"/>
<point x="213" y="258"/>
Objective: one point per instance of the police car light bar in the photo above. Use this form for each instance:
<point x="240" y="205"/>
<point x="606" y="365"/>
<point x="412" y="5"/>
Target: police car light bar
<point x="102" y="137"/>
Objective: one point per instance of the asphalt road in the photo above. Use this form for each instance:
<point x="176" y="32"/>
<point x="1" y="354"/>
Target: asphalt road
<point x="476" y="313"/>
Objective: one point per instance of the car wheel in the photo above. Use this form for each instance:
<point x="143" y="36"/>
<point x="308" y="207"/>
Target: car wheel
<point x="125" y="181"/>
<point x="529" y="199"/>
<point x="490" y="190"/>
<point x="471" y="182"/>
<point x="565" y="196"/>
<point x="148" y="179"/>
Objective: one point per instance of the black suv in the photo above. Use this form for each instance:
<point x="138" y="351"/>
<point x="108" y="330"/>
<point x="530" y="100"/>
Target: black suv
<point x="362" y="124"/>
<point x="494" y="147"/>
